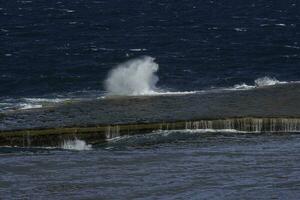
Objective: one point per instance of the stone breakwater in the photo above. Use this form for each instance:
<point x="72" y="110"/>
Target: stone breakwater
<point x="101" y="133"/>
<point x="273" y="109"/>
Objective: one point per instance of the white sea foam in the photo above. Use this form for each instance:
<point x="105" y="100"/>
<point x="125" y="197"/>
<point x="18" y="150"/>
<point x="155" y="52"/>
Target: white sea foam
<point x="76" y="144"/>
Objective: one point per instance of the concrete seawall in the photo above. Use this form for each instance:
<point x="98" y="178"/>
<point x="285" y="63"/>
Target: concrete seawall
<point x="98" y="134"/>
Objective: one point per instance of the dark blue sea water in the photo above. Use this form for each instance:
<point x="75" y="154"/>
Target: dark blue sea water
<point x="64" y="49"/>
<point x="57" y="50"/>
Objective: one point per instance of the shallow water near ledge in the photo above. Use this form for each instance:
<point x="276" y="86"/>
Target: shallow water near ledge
<point x="162" y="165"/>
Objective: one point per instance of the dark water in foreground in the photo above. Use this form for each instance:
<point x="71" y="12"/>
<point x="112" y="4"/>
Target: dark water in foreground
<point x="182" y="165"/>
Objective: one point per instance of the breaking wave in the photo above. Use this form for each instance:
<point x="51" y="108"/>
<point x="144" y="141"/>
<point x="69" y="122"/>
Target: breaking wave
<point x="134" y="77"/>
<point x="138" y="77"/>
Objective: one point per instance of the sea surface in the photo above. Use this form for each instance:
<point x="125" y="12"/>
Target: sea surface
<point x="177" y="165"/>
<point x="59" y="51"/>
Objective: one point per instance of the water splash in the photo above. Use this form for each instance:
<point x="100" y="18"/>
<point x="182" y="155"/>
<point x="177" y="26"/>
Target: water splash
<point x="134" y="77"/>
<point x="260" y="82"/>
<point x="138" y="77"/>
<point x="267" y="81"/>
<point x="76" y="144"/>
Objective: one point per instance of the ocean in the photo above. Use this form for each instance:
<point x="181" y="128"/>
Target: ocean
<point x="140" y="61"/>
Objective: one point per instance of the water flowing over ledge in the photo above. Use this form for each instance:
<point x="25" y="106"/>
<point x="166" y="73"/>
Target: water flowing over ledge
<point x="70" y="138"/>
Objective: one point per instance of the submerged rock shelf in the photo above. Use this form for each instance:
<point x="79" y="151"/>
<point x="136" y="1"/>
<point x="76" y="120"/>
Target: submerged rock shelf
<point x="98" y="134"/>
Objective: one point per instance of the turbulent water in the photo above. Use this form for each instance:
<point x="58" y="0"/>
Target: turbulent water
<point x="56" y="52"/>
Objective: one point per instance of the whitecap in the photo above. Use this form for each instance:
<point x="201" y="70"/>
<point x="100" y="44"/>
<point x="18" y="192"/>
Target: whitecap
<point x="68" y="10"/>
<point x="280" y="24"/>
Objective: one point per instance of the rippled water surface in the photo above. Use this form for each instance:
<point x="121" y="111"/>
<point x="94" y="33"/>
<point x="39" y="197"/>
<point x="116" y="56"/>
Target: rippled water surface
<point x="164" y="165"/>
